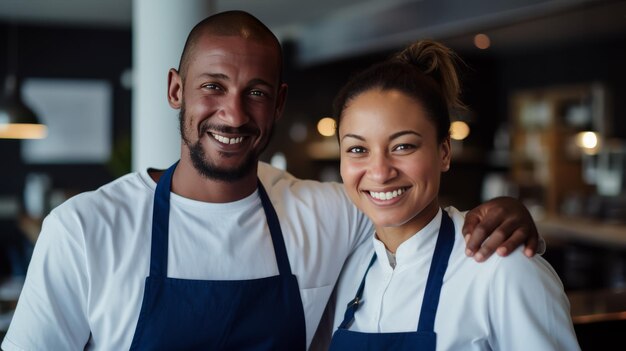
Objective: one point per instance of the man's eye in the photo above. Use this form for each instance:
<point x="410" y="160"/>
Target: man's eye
<point x="257" y="93"/>
<point x="211" y="86"/>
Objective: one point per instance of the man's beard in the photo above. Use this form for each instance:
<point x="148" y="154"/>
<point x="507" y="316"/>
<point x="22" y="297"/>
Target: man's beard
<point x="208" y="169"/>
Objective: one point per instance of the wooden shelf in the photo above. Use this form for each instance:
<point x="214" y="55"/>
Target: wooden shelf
<point x="544" y="158"/>
<point x="588" y="231"/>
<point x="597" y="305"/>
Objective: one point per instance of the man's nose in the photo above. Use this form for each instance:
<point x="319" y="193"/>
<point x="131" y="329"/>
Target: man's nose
<point x="234" y="112"/>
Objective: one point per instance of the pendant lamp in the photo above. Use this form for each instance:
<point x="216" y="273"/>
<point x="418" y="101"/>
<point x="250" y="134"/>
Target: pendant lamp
<point x="17" y="121"/>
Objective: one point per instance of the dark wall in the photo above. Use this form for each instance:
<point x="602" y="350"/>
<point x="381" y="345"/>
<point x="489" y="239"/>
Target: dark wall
<point x="67" y="53"/>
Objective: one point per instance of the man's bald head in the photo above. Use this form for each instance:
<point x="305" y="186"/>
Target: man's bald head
<point x="229" y="23"/>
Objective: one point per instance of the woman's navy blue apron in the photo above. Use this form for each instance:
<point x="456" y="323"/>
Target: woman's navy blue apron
<point x="183" y="314"/>
<point x="422" y="339"/>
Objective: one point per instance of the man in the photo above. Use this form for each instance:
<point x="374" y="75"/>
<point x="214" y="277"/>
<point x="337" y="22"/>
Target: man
<point x="237" y="255"/>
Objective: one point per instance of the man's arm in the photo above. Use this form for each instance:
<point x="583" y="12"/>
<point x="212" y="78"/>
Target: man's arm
<point x="50" y="312"/>
<point x="507" y="224"/>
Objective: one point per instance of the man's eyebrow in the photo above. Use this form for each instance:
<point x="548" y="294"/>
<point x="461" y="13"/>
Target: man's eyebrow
<point x="215" y="76"/>
<point x="259" y="81"/>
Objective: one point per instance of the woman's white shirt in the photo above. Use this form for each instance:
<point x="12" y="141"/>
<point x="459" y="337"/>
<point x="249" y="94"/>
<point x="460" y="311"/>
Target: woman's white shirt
<point x="513" y="303"/>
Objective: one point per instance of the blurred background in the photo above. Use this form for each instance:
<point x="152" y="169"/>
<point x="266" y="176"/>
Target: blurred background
<point x="544" y="80"/>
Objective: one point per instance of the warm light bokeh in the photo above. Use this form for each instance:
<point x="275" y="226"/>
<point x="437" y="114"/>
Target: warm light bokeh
<point x="326" y="126"/>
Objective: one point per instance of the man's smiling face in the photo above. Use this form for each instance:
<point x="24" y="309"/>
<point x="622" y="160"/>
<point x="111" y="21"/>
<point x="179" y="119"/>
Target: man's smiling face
<point x="230" y="98"/>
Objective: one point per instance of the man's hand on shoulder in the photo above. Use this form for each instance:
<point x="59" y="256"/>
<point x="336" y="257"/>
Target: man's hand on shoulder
<point x="506" y="222"/>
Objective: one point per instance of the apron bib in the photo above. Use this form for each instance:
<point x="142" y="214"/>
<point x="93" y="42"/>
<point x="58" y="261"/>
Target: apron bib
<point x="424" y="339"/>
<point x="184" y="314"/>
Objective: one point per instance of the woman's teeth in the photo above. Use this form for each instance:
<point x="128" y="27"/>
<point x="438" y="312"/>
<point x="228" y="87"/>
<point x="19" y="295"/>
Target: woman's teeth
<point x="386" y="195"/>
<point x="225" y="140"/>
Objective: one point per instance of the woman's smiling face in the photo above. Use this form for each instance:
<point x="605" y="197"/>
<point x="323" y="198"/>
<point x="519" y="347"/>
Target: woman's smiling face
<point x="391" y="160"/>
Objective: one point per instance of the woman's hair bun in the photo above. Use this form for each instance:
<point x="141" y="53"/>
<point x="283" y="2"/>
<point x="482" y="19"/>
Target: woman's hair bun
<point x="438" y="62"/>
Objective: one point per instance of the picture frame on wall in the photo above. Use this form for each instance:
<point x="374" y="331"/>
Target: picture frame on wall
<point x="78" y="114"/>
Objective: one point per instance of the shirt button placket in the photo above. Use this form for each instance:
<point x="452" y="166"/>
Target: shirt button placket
<point x="387" y="281"/>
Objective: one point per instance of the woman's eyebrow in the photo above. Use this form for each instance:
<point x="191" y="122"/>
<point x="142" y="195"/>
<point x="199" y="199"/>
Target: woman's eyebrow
<point x="403" y="132"/>
<point x="355" y="136"/>
<point x="391" y="137"/>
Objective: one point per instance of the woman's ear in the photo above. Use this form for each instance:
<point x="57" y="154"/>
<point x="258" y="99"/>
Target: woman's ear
<point x="174" y="89"/>
<point x="446" y="154"/>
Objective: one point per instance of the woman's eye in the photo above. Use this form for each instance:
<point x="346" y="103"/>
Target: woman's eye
<point x="403" y="147"/>
<point x="356" y="150"/>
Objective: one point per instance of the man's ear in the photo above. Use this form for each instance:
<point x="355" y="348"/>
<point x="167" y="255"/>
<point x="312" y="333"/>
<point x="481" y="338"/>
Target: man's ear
<point x="174" y="89"/>
<point x="446" y="154"/>
<point x="280" y="101"/>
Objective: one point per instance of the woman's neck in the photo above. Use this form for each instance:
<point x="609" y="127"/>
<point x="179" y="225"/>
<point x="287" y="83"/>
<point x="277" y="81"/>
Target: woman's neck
<point x="393" y="237"/>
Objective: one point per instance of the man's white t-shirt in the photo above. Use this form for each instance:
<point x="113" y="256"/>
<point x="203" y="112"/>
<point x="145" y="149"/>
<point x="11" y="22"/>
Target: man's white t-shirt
<point x="512" y="303"/>
<point x="85" y="282"/>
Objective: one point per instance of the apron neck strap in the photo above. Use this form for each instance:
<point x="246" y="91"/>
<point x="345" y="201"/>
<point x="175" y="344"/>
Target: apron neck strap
<point x="353" y="305"/>
<point x="438" y="266"/>
<point x="282" y="260"/>
<point x="160" y="223"/>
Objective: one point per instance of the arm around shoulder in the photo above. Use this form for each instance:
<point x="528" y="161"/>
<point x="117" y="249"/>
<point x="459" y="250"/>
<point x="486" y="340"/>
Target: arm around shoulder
<point x="506" y="222"/>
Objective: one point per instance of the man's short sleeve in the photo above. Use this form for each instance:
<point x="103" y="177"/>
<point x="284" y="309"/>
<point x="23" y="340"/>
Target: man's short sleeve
<point x="51" y="311"/>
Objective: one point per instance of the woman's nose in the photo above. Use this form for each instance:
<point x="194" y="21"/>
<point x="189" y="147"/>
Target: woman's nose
<point x="381" y="168"/>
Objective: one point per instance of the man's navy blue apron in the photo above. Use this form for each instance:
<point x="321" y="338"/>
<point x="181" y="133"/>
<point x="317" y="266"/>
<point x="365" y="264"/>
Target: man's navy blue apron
<point x="422" y="339"/>
<point x="183" y="314"/>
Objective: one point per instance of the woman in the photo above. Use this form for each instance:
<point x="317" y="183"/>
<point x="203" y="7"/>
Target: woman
<point x="393" y="129"/>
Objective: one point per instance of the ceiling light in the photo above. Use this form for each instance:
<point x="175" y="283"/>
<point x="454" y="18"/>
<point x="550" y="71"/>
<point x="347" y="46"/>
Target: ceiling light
<point x="17" y="121"/>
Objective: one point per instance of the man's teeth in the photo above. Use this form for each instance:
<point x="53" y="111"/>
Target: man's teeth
<point x="225" y="140"/>
<point x="386" y="195"/>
